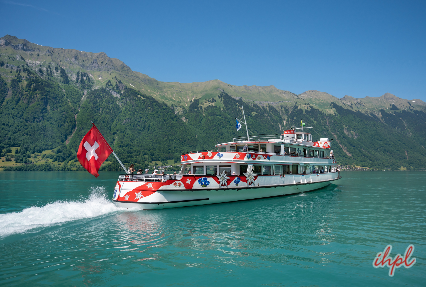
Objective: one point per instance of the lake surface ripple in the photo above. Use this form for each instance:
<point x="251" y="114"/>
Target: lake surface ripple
<point x="61" y="228"/>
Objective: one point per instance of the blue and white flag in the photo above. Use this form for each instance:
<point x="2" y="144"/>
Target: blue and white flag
<point x="238" y="126"/>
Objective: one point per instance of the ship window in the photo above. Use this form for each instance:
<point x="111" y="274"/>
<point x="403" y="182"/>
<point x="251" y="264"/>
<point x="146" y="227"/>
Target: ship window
<point x="266" y="170"/>
<point x="185" y="169"/>
<point x="262" y="148"/>
<point x="226" y="168"/>
<point x="198" y="169"/>
<point x="277" y="148"/>
<point x="286" y="169"/>
<point x="211" y="170"/>
<point x="278" y="169"/>
<point x="293" y="151"/>
<point x="322" y="153"/>
<point x="294" y="169"/>
<point x="232" y="148"/>
<point x="257" y="169"/>
<point x="253" y="148"/>
<point x="287" y="150"/>
<point x="299" y="136"/>
<point x="240" y="148"/>
<point x="243" y="168"/>
<point x="221" y="149"/>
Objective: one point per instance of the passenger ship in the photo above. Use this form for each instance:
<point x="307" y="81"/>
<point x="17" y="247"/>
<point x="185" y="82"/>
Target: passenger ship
<point x="238" y="170"/>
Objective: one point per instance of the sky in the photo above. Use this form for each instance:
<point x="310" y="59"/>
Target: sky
<point x="357" y="48"/>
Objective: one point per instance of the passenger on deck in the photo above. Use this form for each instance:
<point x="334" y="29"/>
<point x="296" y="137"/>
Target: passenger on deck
<point x="139" y="171"/>
<point x="245" y="148"/>
<point x="131" y="169"/>
<point x="155" y="171"/>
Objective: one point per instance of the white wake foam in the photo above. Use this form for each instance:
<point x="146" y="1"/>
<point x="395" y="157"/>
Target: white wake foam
<point x="57" y="212"/>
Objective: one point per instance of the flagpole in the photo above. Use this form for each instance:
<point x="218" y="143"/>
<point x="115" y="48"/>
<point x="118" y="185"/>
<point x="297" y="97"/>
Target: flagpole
<point x="245" y="122"/>
<point x="119" y="161"/>
<point x="122" y="165"/>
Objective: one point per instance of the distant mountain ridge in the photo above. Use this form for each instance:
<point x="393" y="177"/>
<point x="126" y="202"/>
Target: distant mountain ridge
<point x="49" y="96"/>
<point x="102" y="68"/>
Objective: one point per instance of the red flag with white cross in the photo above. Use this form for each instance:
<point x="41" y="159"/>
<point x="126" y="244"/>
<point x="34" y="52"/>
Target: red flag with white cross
<point x="93" y="151"/>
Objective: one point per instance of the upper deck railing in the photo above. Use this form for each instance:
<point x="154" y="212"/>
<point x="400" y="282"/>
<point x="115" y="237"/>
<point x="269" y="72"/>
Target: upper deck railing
<point x="148" y="177"/>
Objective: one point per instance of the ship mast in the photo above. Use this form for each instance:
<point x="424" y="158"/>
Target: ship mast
<point x="245" y="122"/>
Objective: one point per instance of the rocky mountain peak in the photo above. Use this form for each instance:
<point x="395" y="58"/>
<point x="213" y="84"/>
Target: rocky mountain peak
<point x="15" y="43"/>
<point x="389" y="97"/>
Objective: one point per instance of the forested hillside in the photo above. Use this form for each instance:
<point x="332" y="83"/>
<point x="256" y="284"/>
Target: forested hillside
<point x="49" y="97"/>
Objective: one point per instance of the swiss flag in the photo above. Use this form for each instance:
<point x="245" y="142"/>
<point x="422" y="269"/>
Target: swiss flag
<point x="93" y="151"/>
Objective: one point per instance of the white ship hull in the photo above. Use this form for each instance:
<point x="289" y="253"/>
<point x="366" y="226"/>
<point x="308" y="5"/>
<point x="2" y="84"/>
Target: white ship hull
<point x="291" y="184"/>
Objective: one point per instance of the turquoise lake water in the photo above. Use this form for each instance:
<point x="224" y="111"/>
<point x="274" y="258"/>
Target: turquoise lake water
<point x="61" y="229"/>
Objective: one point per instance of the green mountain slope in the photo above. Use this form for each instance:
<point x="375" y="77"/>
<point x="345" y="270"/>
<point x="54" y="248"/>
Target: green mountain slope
<point x="49" y="96"/>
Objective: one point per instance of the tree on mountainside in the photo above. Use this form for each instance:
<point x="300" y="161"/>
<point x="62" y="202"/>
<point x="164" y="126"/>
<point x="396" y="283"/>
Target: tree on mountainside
<point x="64" y="76"/>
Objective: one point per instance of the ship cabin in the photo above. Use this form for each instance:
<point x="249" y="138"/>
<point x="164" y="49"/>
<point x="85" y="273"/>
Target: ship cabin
<point x="293" y="152"/>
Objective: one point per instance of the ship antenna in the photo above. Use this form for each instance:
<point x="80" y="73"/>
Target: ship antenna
<point x="245" y="122"/>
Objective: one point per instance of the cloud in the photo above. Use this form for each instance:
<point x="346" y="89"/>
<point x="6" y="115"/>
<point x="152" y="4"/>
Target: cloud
<point x="26" y="5"/>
